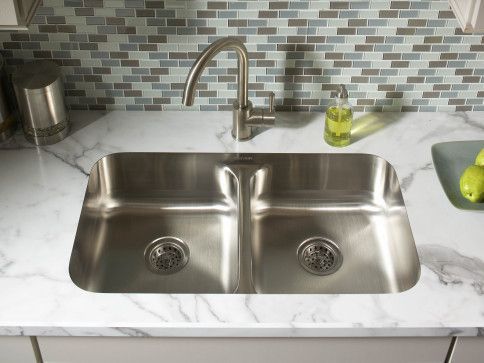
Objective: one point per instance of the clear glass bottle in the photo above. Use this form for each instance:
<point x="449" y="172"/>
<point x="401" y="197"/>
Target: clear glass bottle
<point x="339" y="118"/>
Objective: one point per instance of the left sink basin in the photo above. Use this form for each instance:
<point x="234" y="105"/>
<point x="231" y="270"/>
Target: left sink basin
<point x="158" y="223"/>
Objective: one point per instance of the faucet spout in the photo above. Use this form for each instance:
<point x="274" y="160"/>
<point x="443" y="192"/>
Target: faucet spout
<point x="245" y="117"/>
<point x="206" y="56"/>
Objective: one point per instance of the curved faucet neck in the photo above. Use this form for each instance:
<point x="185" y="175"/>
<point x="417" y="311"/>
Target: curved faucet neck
<point x="206" y="56"/>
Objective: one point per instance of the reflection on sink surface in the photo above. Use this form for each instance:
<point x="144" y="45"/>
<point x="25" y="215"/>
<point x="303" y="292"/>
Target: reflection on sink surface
<point x="243" y="223"/>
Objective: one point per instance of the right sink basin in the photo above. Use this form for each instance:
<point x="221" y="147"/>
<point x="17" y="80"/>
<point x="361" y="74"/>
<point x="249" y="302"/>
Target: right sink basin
<point x="330" y="223"/>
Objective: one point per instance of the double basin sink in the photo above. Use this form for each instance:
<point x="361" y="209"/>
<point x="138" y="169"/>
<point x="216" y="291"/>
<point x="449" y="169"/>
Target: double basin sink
<point x="243" y="223"/>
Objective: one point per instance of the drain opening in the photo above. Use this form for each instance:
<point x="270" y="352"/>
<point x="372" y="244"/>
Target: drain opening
<point x="319" y="256"/>
<point x="166" y="255"/>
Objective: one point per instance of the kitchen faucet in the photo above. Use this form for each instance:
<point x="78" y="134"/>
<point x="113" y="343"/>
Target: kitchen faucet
<point x="245" y="117"/>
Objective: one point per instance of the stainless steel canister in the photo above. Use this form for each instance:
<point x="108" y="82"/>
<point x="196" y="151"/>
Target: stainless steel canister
<point x="8" y="123"/>
<point x="40" y="96"/>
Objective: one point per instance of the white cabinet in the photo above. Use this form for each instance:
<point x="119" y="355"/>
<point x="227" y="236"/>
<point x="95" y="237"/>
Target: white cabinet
<point x="17" y="14"/>
<point x="242" y="350"/>
<point x="16" y="350"/>
<point x="469" y="350"/>
<point x="470" y="14"/>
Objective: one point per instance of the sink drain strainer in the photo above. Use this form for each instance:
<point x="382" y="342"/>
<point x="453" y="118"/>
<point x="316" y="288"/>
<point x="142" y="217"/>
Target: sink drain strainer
<point x="320" y="256"/>
<point x="166" y="255"/>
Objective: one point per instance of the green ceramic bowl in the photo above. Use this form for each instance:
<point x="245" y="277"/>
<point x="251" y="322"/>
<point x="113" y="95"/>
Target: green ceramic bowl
<point x="450" y="160"/>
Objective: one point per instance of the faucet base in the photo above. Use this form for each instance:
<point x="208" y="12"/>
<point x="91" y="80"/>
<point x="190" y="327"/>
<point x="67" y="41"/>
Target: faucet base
<point x="240" y="130"/>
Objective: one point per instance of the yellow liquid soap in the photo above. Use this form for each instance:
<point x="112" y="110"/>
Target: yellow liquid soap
<point x="337" y="129"/>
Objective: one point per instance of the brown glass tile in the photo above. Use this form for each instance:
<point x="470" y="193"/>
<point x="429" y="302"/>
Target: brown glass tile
<point x="394" y="95"/>
<point x="346" y="31"/>
<point x="365" y="102"/>
<point x="446" y="14"/>
<point x="388" y="14"/>
<point x="399" y="64"/>
<point x="118" y="55"/>
<point x="42" y="54"/>
<point x="66" y="29"/>
<point x="48" y="28"/>
<point x="115" y="21"/>
<point x="333" y="55"/>
<point x="101" y="70"/>
<point x="433" y="39"/>
<point x="238" y="23"/>
<point x="386" y="87"/>
<point x="316" y="39"/>
<point x="370" y="72"/>
<point x="339" y="4"/>
<point x="159" y="71"/>
<point x="157" y="39"/>
<point x="359" y="79"/>
<point x="457" y="101"/>
<point x="406" y="31"/>
<point x="448" y="56"/>
<point x="471" y="79"/>
<point x="206" y="14"/>
<point x="400" y="5"/>
<point x="130" y="63"/>
<point x="145" y="13"/>
<point x="409" y="108"/>
<point x="147" y="47"/>
<point x="132" y="93"/>
<point x="437" y="64"/>
<point x="93" y="3"/>
<point x="375" y="39"/>
<point x="84" y="11"/>
<point x="417" y="22"/>
<point x="267" y="14"/>
<point x="150" y="79"/>
<point x="278" y="4"/>
<point x="392" y="56"/>
<point x="364" y="47"/>
<point x="98" y="38"/>
<point x="267" y="31"/>
<point x="415" y="79"/>
<point x="92" y="78"/>
<point x="324" y="14"/>
<point x="421" y="48"/>
<point x="176" y="22"/>
<point x="430" y="94"/>
<point x="463" y="71"/>
<point x="153" y="107"/>
<point x="217" y="5"/>
<point x="357" y="22"/>
<point x="441" y="87"/>
<point x="155" y="4"/>
<point x="342" y="64"/>
<point x="297" y="22"/>
<point x="123" y="85"/>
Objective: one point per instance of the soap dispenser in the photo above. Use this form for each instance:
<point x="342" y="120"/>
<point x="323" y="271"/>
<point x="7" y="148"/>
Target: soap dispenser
<point x="339" y="118"/>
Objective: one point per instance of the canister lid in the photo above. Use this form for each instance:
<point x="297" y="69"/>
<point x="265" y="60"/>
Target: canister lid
<point x="36" y="75"/>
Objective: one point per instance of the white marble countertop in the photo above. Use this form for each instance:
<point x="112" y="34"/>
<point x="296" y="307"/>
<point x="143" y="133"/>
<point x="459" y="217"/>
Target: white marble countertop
<point x="41" y="193"/>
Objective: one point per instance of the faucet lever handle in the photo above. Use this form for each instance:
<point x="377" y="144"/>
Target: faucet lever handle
<point x="272" y="98"/>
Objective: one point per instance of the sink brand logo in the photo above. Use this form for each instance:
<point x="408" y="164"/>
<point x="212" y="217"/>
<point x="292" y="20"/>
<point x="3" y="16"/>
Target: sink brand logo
<point x="244" y="158"/>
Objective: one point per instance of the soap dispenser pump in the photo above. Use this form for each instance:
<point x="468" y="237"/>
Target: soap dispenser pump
<point x="339" y="118"/>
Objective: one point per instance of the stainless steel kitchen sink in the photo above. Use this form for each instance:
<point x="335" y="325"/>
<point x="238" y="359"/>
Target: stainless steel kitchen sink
<point x="243" y="223"/>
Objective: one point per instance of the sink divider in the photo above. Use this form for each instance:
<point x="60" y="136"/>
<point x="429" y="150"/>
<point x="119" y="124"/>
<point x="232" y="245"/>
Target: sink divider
<point x="243" y="172"/>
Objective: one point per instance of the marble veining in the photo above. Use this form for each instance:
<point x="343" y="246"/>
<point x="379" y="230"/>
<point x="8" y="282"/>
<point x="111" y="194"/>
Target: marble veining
<point x="41" y="193"/>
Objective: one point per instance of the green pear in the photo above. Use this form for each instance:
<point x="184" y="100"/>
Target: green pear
<point x="472" y="183"/>
<point x="480" y="158"/>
